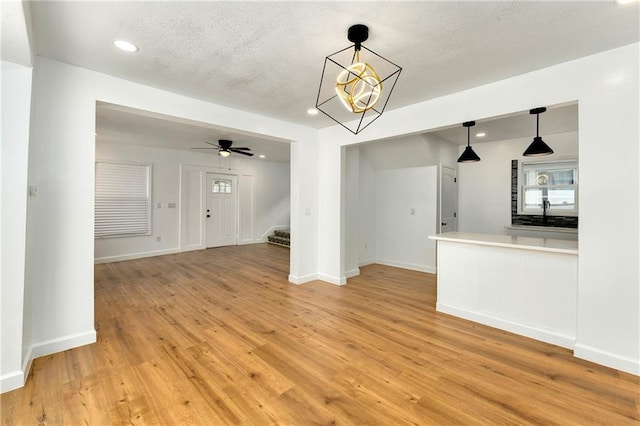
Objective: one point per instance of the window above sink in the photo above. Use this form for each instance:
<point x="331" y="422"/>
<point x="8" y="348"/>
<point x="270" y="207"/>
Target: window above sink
<point x="548" y="188"/>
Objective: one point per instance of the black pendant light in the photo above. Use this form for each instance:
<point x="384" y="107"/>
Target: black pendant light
<point x="538" y="147"/>
<point x="468" y="156"/>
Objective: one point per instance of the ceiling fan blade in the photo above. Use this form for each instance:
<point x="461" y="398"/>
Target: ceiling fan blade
<point x="204" y="148"/>
<point x="244" y="148"/>
<point x="225" y="143"/>
<point x="211" y="143"/>
<point x="250" y="154"/>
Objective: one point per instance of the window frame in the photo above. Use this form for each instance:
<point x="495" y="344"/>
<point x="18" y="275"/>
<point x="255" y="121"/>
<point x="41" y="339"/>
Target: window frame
<point x="120" y="233"/>
<point x="225" y="184"/>
<point x="556" y="163"/>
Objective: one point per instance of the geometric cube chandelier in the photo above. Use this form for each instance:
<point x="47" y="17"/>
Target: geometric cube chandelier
<point x="355" y="86"/>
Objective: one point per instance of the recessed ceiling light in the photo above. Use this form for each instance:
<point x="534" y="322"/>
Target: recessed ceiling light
<point x="262" y="156"/>
<point x="125" y="45"/>
<point x="481" y="135"/>
<point x="312" y="111"/>
<point x="622" y="2"/>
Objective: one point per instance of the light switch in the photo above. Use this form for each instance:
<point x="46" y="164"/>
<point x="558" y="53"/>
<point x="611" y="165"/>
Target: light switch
<point x="159" y="206"/>
<point x="171" y="205"/>
<point x="413" y="211"/>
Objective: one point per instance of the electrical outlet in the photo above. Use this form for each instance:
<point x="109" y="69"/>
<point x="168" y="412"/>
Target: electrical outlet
<point x="159" y="206"/>
<point x="413" y="211"/>
<point x="158" y="238"/>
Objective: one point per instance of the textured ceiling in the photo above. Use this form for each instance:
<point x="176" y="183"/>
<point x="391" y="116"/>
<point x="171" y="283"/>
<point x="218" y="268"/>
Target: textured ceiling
<point x="266" y="57"/>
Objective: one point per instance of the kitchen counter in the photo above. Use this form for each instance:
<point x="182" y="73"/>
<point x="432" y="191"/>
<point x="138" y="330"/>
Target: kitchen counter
<point x="527" y="243"/>
<point x="524" y="285"/>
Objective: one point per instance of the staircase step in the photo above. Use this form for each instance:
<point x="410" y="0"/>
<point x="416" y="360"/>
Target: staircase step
<point x="281" y="237"/>
<point x="279" y="241"/>
<point x="283" y="233"/>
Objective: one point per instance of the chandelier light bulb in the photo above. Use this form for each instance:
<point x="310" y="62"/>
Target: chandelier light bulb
<point x="359" y="86"/>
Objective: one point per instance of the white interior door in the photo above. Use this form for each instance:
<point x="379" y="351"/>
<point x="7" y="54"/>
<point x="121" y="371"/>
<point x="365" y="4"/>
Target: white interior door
<point x="448" y="199"/>
<point x="221" y="211"/>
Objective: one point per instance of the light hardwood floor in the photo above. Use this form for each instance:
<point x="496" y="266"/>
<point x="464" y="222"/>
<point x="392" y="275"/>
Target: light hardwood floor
<point x="220" y="337"/>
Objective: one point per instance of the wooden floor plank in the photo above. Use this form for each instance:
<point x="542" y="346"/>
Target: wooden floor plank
<point x="220" y="336"/>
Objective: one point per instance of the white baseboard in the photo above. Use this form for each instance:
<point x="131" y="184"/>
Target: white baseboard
<point x="131" y="256"/>
<point x="352" y="273"/>
<point x="247" y="242"/>
<point x="302" y="279"/>
<point x="552" y="337"/>
<point x="332" y="280"/>
<point x="315" y="277"/>
<point x="608" y="359"/>
<point x="410" y="266"/>
<point x="12" y="380"/>
<point x="17" y="379"/>
<point x="26" y="363"/>
<point x="63" y="343"/>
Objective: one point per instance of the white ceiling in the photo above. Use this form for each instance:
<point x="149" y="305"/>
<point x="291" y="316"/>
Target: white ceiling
<point x="557" y="119"/>
<point x="115" y="123"/>
<point x="266" y="56"/>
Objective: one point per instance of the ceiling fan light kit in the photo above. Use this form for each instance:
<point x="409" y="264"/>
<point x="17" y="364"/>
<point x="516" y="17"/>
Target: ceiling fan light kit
<point x="538" y="147"/>
<point x="225" y="148"/>
<point x="356" y="84"/>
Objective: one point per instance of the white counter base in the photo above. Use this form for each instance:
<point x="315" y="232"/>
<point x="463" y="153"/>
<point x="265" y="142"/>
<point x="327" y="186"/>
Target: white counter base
<point x="525" y="286"/>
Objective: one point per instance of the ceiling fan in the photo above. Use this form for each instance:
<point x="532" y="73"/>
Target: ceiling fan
<point x="224" y="148"/>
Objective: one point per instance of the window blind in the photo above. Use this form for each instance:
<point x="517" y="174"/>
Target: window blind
<point x="122" y="203"/>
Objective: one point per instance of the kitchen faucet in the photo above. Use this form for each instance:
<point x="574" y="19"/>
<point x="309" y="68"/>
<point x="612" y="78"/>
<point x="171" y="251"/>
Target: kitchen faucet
<point x="545" y="205"/>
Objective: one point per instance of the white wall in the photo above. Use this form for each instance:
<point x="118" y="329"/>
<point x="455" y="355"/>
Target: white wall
<point x="352" y="211"/>
<point x="16" y="104"/>
<point x="387" y="233"/>
<point x="410" y="151"/>
<point x="305" y="207"/>
<point x="484" y="188"/>
<point x="367" y="212"/>
<point x="15" y="96"/>
<point x="272" y="195"/>
<point x="606" y="88"/>
<point x="406" y="214"/>
<point x="60" y="244"/>
<point x="266" y="183"/>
